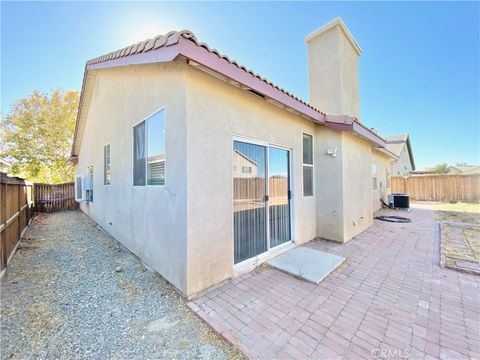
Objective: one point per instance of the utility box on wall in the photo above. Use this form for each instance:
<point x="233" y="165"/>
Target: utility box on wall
<point x="84" y="186"/>
<point x="88" y="184"/>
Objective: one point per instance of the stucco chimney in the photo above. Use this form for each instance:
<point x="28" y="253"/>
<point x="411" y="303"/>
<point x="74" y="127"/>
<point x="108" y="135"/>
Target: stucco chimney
<point x="333" y="69"/>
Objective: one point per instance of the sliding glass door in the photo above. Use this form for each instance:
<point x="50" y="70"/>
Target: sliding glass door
<point x="249" y="200"/>
<point x="279" y="195"/>
<point x="258" y="202"/>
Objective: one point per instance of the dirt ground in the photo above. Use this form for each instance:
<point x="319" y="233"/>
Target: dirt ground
<point x="456" y="206"/>
<point x="72" y="293"/>
<point x="459" y="231"/>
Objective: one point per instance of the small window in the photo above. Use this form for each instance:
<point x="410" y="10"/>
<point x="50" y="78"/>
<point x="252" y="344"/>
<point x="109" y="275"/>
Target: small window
<point x="78" y="188"/>
<point x="149" y="151"/>
<point x="374" y="177"/>
<point x="139" y="154"/>
<point x="107" y="175"/>
<point x="156" y="149"/>
<point x="307" y="165"/>
<point x="246" y="169"/>
<point x="88" y="184"/>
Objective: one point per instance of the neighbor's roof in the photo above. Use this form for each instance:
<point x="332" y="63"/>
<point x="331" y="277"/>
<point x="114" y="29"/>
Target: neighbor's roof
<point x="396" y="143"/>
<point x="465" y="169"/>
<point x="184" y="44"/>
<point x="4" y="162"/>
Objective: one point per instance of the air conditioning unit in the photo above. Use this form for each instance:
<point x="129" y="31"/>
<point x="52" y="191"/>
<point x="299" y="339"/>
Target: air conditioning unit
<point x="399" y="201"/>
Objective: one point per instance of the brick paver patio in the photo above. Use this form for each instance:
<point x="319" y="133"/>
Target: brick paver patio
<point x="390" y="300"/>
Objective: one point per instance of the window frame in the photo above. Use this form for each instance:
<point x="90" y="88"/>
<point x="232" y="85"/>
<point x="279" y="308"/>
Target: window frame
<point x="375" y="175"/>
<point x="246" y="169"/>
<point x="105" y="164"/>
<point x="145" y="120"/>
<point x="310" y="166"/>
<point x="78" y="185"/>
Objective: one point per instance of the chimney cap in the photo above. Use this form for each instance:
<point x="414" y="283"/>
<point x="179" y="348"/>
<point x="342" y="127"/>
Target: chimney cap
<point x="335" y="22"/>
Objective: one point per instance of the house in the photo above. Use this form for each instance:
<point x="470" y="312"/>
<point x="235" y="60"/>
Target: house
<point x="205" y="169"/>
<point x="5" y="166"/>
<point x="463" y="169"/>
<point x="400" y="146"/>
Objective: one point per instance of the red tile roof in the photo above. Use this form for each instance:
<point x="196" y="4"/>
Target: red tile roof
<point x="172" y="38"/>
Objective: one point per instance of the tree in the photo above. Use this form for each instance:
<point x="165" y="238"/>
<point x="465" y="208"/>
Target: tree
<point x="37" y="136"/>
<point x="440" y="168"/>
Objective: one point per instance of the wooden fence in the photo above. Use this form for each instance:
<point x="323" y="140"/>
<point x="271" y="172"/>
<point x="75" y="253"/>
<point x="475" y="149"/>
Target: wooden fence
<point x="54" y="197"/>
<point x="16" y="211"/>
<point x="438" y="187"/>
<point x="254" y="188"/>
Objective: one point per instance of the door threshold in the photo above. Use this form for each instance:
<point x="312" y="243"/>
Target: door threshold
<point x="248" y="265"/>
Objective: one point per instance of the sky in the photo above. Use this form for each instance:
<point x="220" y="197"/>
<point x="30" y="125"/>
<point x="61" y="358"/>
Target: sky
<point x="419" y="70"/>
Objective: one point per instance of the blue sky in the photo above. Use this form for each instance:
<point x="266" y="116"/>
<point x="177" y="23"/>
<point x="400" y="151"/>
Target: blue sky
<point x="419" y="70"/>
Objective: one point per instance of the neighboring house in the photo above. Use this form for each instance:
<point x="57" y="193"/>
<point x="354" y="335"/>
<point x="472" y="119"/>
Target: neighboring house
<point x="463" y="169"/>
<point x="400" y="146"/>
<point x="220" y="131"/>
<point x="243" y="166"/>
<point x="5" y="166"/>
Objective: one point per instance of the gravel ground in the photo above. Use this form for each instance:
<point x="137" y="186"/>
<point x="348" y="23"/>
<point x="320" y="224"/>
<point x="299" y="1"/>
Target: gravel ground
<point x="63" y="298"/>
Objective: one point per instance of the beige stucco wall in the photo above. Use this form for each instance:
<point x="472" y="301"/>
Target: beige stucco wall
<point x="190" y="242"/>
<point x="403" y="165"/>
<point x="149" y="221"/>
<point x="383" y="186"/>
<point x="333" y="73"/>
<point x="344" y="185"/>
<point x="216" y="111"/>
<point x="357" y="163"/>
<point x="329" y="184"/>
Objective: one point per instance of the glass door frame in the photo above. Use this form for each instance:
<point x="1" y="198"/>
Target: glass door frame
<point x="267" y="146"/>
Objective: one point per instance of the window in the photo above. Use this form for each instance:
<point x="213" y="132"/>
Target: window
<point x="107" y="175"/>
<point x="387" y="178"/>
<point x="374" y="177"/>
<point x="78" y="188"/>
<point x="307" y="165"/>
<point x="88" y="184"/>
<point x="246" y="169"/>
<point x="149" y="151"/>
<point x="139" y="154"/>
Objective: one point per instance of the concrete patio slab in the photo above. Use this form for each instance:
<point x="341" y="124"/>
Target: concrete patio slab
<point x="309" y="264"/>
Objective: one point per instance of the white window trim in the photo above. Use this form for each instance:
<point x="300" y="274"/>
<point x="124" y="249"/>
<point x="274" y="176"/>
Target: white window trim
<point x="243" y="266"/>
<point x="82" y="198"/>
<point x="376" y="177"/>
<point x="309" y="165"/>
<point x="146" y="147"/>
<point x="105" y="165"/>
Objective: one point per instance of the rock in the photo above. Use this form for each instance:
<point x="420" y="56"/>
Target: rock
<point x="119" y="269"/>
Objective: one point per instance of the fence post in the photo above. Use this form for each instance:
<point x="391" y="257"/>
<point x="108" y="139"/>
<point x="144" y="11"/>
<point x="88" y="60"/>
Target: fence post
<point x="3" y="220"/>
<point x="19" y="209"/>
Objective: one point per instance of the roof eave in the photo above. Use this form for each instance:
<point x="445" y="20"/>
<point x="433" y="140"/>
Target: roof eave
<point x="410" y="152"/>
<point x="163" y="54"/>
<point x="356" y="128"/>
<point x="210" y="60"/>
<point x="387" y="152"/>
